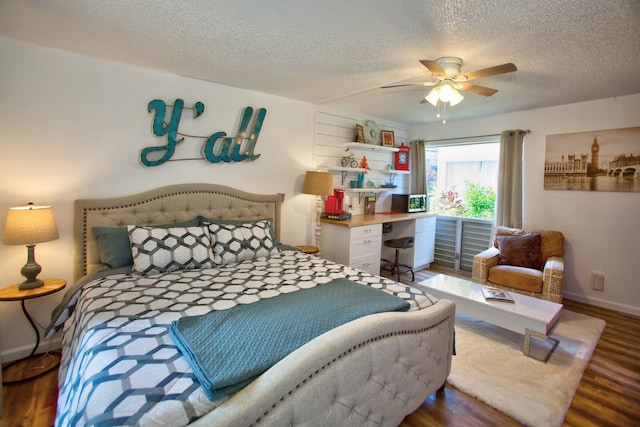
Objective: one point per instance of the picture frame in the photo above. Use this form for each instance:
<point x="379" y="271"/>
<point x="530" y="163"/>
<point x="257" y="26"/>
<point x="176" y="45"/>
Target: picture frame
<point x="388" y="138"/>
<point x="370" y="205"/>
<point x="359" y="133"/>
<point x="597" y="160"/>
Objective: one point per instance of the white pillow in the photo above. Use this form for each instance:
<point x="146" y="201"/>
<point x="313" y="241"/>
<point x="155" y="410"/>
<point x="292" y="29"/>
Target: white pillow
<point x="240" y="242"/>
<point x="158" y="250"/>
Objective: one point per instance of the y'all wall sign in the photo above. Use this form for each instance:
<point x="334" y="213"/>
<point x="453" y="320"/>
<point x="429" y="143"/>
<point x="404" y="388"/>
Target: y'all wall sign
<point x="219" y="147"/>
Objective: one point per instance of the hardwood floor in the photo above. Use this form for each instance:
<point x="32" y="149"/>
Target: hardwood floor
<point x="608" y="395"/>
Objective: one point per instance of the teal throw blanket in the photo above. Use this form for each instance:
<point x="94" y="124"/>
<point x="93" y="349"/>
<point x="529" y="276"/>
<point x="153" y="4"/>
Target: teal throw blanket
<point x="228" y="349"/>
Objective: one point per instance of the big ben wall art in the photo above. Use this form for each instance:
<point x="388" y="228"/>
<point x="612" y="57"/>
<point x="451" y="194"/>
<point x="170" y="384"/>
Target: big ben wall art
<point x="603" y="160"/>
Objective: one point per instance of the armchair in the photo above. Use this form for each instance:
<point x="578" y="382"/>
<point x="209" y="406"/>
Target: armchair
<point x="521" y="262"/>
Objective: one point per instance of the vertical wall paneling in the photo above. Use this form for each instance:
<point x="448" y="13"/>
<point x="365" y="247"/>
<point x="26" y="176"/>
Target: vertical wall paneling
<point x="332" y="129"/>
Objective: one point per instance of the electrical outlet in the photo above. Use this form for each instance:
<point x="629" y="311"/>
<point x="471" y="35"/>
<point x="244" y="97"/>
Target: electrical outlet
<point x="597" y="281"/>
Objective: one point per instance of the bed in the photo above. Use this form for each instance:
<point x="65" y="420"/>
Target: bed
<point x="120" y="365"/>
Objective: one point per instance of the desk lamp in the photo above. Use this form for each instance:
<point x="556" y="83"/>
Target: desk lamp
<point x="28" y="225"/>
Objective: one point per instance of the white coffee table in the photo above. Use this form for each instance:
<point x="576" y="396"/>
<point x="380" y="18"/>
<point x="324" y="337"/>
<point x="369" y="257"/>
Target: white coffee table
<point x="527" y="315"/>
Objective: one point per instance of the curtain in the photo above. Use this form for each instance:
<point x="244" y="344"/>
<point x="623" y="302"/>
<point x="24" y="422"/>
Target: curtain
<point x="509" y="197"/>
<point x="418" y="170"/>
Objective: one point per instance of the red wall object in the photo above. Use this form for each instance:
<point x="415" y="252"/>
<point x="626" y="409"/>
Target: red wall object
<point x="401" y="162"/>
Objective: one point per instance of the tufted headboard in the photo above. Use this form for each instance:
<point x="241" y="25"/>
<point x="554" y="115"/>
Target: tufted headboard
<point x="164" y="205"/>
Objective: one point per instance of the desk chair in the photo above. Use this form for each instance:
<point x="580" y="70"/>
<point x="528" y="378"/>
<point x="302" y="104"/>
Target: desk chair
<point x="395" y="267"/>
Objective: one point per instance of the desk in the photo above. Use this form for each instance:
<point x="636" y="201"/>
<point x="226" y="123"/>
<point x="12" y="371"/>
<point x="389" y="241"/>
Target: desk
<point x="357" y="242"/>
<point x="379" y="218"/>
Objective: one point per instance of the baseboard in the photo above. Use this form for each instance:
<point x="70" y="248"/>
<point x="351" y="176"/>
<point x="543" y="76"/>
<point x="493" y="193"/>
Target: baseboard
<point x="623" y="308"/>
<point x="24" y="351"/>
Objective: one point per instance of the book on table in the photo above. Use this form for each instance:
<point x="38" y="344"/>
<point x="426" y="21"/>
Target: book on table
<point x="495" y="294"/>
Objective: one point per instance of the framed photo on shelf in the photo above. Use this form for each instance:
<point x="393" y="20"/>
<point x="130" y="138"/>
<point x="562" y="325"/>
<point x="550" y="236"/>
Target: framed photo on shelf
<point x="370" y="205"/>
<point x="388" y="138"/>
<point x="359" y="133"/>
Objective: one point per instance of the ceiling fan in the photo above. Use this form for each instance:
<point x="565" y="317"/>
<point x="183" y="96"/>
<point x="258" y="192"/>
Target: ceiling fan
<point x="449" y="80"/>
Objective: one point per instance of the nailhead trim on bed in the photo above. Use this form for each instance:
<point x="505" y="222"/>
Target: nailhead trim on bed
<point x="345" y="353"/>
<point x="223" y="203"/>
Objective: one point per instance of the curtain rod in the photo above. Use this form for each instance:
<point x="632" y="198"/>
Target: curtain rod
<point x="468" y="137"/>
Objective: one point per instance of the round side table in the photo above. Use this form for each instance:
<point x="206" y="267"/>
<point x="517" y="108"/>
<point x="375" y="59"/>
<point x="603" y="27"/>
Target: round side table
<point x="13" y="293"/>
<point x="309" y="249"/>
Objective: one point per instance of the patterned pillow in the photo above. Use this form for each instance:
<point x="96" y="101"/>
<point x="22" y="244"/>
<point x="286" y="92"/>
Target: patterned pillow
<point x="240" y="242"/>
<point x="206" y="221"/>
<point x="114" y="246"/>
<point x="157" y="250"/>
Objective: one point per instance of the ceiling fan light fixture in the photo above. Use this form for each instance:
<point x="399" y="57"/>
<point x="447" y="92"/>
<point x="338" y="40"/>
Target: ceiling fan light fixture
<point x="446" y="92"/>
<point x="456" y="98"/>
<point x="433" y="96"/>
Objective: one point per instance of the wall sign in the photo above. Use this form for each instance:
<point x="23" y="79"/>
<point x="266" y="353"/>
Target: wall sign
<point x="219" y="147"/>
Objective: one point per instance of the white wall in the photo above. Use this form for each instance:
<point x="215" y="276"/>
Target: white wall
<point x="601" y="229"/>
<point x="73" y="127"/>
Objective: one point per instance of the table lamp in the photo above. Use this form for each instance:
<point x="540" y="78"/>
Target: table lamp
<point x="28" y="225"/>
<point x="319" y="184"/>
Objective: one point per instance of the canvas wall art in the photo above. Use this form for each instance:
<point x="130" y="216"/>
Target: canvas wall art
<point x="604" y="160"/>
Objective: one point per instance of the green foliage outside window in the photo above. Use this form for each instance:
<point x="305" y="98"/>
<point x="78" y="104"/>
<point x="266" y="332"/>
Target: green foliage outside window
<point x="481" y="200"/>
<point x="449" y="202"/>
<point x="476" y="202"/>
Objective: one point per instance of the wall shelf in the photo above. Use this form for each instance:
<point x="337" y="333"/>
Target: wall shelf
<point x="345" y="171"/>
<point x="394" y="171"/>
<point x="369" y="190"/>
<point x="375" y="191"/>
<point x="370" y="147"/>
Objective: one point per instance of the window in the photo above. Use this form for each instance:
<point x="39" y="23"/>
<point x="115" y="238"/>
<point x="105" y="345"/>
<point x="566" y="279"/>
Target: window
<point x="462" y="179"/>
<point x="461" y="185"/>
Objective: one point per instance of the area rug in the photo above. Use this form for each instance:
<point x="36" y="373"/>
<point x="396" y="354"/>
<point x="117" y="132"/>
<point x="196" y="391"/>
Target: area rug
<point x="490" y="366"/>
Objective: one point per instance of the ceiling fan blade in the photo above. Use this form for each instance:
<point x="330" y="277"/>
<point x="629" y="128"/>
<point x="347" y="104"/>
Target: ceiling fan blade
<point x="421" y="84"/>
<point x="434" y="67"/>
<point x="480" y="90"/>
<point x="491" y="71"/>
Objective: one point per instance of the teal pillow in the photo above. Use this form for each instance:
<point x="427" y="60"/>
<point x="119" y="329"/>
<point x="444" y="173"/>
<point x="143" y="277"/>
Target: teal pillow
<point x="114" y="247"/>
<point x="207" y="221"/>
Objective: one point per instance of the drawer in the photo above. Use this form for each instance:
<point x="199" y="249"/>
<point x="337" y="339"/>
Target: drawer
<point x="426" y="224"/>
<point x="366" y="231"/>
<point x="369" y="263"/>
<point x="365" y="246"/>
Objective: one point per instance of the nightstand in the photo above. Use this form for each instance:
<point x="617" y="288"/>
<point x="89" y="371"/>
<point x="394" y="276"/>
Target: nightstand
<point x="13" y="293"/>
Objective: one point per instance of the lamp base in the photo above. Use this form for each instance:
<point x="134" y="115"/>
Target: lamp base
<point x="30" y="271"/>
<point x="30" y="284"/>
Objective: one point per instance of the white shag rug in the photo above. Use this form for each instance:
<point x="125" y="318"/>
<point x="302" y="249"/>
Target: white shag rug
<point x="490" y="366"/>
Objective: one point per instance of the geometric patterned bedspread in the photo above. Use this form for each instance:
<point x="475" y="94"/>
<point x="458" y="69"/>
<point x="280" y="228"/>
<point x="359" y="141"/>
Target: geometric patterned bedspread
<point x="121" y="367"/>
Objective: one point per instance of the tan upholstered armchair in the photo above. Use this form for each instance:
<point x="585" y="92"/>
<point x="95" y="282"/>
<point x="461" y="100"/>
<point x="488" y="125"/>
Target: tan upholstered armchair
<point x="522" y="262"/>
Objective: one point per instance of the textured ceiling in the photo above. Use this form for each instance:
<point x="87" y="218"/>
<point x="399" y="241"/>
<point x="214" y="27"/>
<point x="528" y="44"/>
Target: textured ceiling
<point x="338" y="52"/>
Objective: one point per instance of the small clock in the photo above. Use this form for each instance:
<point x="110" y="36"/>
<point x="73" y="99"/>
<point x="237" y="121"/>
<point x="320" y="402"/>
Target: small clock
<point x="402" y="158"/>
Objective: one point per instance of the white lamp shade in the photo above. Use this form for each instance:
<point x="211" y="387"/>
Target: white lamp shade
<point x="318" y="183"/>
<point x="446" y="93"/>
<point x="29" y="225"/>
<point x="432" y="97"/>
<point x="456" y="98"/>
